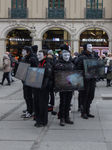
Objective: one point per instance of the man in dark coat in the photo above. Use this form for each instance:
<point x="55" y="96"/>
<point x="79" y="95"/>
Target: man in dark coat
<point x="29" y="57"/>
<point x="41" y="96"/>
<point x="65" y="97"/>
<point x="87" y="95"/>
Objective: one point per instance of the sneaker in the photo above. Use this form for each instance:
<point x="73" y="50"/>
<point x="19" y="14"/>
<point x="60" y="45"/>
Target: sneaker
<point x="90" y="115"/>
<point x="69" y="121"/>
<point x="84" y="116"/>
<point x="62" y="122"/>
<point x="1" y="83"/>
<point x="24" y="111"/>
<point x="27" y="116"/>
<point x="23" y="115"/>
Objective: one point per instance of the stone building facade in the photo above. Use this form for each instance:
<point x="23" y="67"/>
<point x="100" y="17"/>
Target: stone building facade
<point x="74" y="21"/>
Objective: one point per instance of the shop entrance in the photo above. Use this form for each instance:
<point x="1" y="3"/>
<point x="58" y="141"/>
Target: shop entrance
<point x="16" y="40"/>
<point x="98" y="38"/>
<point x="52" y="39"/>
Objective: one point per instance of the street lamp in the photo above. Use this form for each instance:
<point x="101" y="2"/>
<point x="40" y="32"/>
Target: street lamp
<point x="33" y="32"/>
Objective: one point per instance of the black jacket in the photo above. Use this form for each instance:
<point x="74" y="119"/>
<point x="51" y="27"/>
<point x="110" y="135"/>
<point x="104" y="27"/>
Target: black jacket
<point x="81" y="57"/>
<point x="48" y="72"/>
<point x="31" y="59"/>
<point x="63" y="65"/>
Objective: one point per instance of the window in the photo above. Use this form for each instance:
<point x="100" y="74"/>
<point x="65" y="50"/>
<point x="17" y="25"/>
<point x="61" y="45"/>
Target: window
<point x="95" y="4"/>
<point x="56" y="4"/>
<point x="19" y="4"/>
<point x="18" y="9"/>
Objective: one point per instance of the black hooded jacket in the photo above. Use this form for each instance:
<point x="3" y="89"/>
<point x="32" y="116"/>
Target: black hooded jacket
<point x="81" y="57"/>
<point x="47" y="64"/>
<point x="31" y="59"/>
<point x="64" y="65"/>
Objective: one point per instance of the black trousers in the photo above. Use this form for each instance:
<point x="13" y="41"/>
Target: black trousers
<point x="27" y="93"/>
<point x="41" y="97"/>
<point x="65" y="100"/>
<point x="6" y="76"/>
<point x="51" y="97"/>
<point x="87" y="95"/>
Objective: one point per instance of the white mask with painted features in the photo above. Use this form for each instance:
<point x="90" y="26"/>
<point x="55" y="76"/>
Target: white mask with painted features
<point x="89" y="47"/>
<point x="24" y="52"/>
<point x="40" y="56"/>
<point x="66" y="56"/>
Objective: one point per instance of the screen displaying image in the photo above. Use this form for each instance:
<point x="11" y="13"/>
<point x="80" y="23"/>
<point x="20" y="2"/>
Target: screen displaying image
<point x="22" y="71"/>
<point x="94" y="68"/>
<point x="34" y="77"/>
<point x="68" y="80"/>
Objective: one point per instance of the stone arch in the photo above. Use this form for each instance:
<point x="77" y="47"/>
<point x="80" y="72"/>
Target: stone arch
<point x="43" y="30"/>
<point x="10" y="28"/>
<point x="80" y="31"/>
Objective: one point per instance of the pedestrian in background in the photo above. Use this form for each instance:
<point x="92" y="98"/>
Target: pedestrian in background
<point x="10" y="76"/>
<point x="109" y="69"/>
<point x="6" y="69"/>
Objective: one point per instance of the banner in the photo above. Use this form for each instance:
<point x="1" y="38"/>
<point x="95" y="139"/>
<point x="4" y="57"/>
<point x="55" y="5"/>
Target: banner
<point x="94" y="68"/>
<point x="22" y="71"/>
<point x="34" y="77"/>
<point x="68" y="80"/>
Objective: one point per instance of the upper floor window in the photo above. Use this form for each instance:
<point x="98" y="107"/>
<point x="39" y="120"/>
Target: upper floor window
<point x="19" y="4"/>
<point x="57" y="4"/>
<point x="95" y="4"/>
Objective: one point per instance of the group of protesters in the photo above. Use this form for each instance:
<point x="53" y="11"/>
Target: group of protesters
<point x="38" y="99"/>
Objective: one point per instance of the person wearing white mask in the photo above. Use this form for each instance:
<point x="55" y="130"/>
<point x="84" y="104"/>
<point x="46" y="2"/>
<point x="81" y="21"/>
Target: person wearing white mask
<point x="41" y="96"/>
<point x="30" y="58"/>
<point x="86" y="95"/>
<point x="64" y="63"/>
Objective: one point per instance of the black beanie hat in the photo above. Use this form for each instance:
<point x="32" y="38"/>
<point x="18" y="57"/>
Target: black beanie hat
<point x="28" y="49"/>
<point x="35" y="48"/>
<point x="85" y="46"/>
<point x="64" y="47"/>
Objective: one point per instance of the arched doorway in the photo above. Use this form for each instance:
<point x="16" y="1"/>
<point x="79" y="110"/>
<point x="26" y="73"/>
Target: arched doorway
<point x="16" y="40"/>
<point x="53" y="38"/>
<point x="98" y="38"/>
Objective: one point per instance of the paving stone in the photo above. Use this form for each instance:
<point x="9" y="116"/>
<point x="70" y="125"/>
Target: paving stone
<point x="51" y="145"/>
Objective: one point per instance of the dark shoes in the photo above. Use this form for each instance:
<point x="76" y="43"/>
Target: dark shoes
<point x="38" y="125"/>
<point x="90" y="115"/>
<point x="84" y="116"/>
<point x="8" y="84"/>
<point x="53" y="112"/>
<point x="69" y="121"/>
<point x="1" y="83"/>
<point x="62" y="122"/>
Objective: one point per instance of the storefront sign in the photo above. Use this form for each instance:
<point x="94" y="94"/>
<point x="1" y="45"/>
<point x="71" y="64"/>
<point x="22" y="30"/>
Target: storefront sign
<point x="56" y="39"/>
<point x="93" y="40"/>
<point x="18" y="39"/>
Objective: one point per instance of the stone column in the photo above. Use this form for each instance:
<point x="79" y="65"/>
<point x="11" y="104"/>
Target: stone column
<point x="39" y="43"/>
<point x="76" y="45"/>
<point x="110" y="46"/>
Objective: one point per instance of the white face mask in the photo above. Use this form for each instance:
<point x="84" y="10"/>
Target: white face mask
<point x="66" y="56"/>
<point x="40" y="56"/>
<point x="24" y="52"/>
<point x="89" y="47"/>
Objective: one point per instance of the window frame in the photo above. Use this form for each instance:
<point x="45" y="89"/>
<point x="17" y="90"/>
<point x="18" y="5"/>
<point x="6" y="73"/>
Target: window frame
<point x="97" y="4"/>
<point x="59" y="2"/>
<point x="16" y="2"/>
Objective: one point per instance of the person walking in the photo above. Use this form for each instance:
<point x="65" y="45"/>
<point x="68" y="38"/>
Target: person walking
<point x="6" y="69"/>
